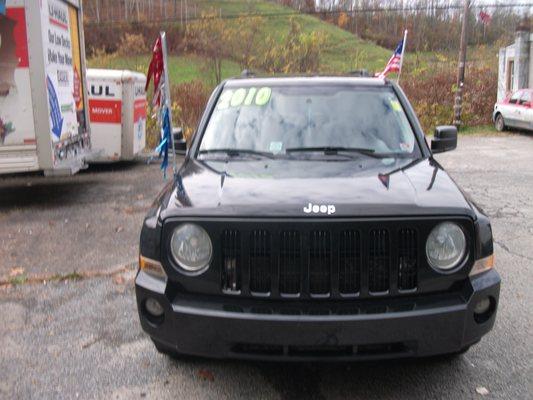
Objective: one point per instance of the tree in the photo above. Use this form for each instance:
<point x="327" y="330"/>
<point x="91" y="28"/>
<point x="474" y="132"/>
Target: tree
<point x="208" y="36"/>
<point x="242" y="37"/>
<point x="298" y="53"/>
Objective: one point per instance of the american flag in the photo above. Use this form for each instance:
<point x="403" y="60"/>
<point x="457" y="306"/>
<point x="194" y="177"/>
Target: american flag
<point x="395" y="62"/>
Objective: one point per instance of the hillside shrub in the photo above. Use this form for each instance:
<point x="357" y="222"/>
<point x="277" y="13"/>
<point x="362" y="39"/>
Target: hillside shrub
<point x="432" y="92"/>
<point x="132" y="44"/>
<point x="188" y="103"/>
<point x="190" y="98"/>
<point x="298" y="52"/>
<point x="103" y="37"/>
<point x="209" y="36"/>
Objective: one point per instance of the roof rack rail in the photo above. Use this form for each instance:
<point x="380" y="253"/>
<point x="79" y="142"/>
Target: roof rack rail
<point x="362" y="73"/>
<point x="246" y="73"/>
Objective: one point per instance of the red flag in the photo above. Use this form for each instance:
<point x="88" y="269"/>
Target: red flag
<point x="485" y="17"/>
<point x="155" y="70"/>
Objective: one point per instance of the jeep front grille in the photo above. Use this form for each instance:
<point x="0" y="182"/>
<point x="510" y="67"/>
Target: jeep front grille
<point x="318" y="263"/>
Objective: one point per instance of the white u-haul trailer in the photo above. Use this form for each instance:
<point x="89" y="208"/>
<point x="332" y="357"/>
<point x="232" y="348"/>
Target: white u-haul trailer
<point x="44" y="124"/>
<point x="117" y="111"/>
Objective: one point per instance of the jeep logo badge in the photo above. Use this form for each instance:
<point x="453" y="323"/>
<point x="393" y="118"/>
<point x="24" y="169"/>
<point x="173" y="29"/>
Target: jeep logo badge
<point x="320" y="209"/>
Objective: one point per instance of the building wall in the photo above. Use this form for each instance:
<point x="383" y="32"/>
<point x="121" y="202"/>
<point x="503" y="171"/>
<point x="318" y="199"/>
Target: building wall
<point x="515" y="65"/>
<point x="530" y="74"/>
<point x="506" y="58"/>
<point x="521" y="63"/>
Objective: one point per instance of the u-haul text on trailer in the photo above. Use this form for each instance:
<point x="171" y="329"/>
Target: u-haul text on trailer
<point x="117" y="110"/>
<point x="43" y="101"/>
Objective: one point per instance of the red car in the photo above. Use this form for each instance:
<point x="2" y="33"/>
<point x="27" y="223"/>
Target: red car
<point x="516" y="111"/>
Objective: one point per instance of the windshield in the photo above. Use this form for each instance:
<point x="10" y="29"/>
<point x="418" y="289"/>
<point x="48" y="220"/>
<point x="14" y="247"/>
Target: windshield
<point x="330" y="119"/>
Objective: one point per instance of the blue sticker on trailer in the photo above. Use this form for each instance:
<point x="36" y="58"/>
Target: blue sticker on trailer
<point x="2" y="7"/>
<point x="55" y="112"/>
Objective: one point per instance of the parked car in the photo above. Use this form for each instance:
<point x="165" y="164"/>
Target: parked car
<point x="309" y="220"/>
<point x="516" y="111"/>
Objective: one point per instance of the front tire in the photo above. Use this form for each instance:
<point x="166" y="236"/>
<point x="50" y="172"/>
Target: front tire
<point x="499" y="123"/>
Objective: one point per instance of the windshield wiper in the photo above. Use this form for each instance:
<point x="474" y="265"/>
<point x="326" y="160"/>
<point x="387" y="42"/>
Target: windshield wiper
<point x="330" y="150"/>
<point x="333" y="150"/>
<point x="238" y="152"/>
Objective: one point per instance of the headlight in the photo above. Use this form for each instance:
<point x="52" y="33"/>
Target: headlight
<point x="191" y="247"/>
<point x="446" y="246"/>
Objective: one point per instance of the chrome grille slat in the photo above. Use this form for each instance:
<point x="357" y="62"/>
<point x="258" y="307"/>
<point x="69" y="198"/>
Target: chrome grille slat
<point x="231" y="270"/>
<point x="407" y="259"/>
<point x="350" y="263"/>
<point x="379" y="261"/>
<point x="260" y="261"/>
<point x="319" y="263"/>
<point x="290" y="267"/>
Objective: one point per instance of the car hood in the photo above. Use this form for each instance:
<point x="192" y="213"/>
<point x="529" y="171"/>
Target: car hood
<point x="284" y="188"/>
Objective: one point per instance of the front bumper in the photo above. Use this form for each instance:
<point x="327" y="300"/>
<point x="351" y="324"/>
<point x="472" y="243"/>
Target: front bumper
<point x="223" y="327"/>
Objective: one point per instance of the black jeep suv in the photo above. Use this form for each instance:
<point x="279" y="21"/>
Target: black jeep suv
<point x="309" y="220"/>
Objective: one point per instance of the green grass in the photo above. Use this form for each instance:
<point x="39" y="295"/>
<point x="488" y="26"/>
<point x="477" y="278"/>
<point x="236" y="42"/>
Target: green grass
<point x="181" y="68"/>
<point x="72" y="276"/>
<point x="479" y="130"/>
<point x="343" y="50"/>
<point x="18" y="279"/>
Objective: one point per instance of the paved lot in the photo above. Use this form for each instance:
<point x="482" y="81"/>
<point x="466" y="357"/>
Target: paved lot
<point x="81" y="338"/>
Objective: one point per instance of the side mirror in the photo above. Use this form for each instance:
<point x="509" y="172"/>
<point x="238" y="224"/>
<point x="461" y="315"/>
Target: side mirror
<point x="180" y="144"/>
<point x="445" y="139"/>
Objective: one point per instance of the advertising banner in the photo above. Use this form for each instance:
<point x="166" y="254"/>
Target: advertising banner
<point x="105" y="101"/>
<point x="62" y="56"/>
<point x="139" y="116"/>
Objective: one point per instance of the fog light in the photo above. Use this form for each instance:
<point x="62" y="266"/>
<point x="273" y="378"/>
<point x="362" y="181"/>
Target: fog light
<point x="153" y="307"/>
<point x="482" y="306"/>
<point x="484" y="309"/>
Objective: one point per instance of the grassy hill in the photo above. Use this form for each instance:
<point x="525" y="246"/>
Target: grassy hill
<point x="343" y="51"/>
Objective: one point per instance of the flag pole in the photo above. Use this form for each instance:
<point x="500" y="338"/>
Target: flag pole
<point x="168" y="101"/>
<point x="401" y="58"/>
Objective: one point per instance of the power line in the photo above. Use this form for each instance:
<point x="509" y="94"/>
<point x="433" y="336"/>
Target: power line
<point x="331" y="12"/>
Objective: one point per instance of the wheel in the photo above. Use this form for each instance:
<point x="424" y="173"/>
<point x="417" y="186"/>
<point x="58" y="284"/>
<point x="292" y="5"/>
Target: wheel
<point x="169" y="351"/>
<point x="499" y="123"/>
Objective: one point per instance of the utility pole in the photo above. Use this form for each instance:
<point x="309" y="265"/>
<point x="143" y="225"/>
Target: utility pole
<point x="461" y="68"/>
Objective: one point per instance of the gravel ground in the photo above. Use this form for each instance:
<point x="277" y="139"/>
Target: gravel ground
<point x="81" y="338"/>
<point x="87" y="223"/>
